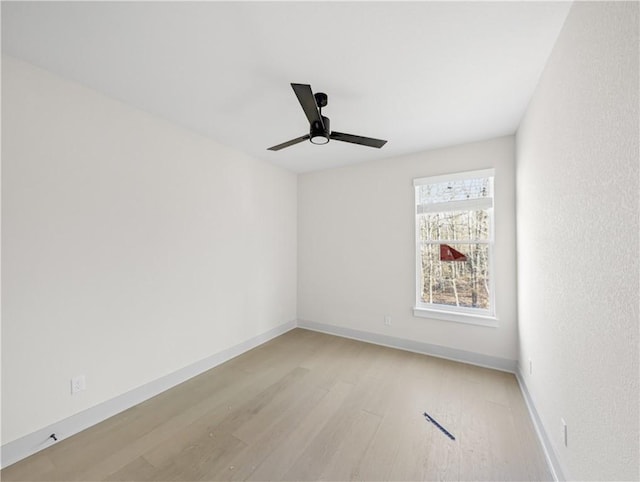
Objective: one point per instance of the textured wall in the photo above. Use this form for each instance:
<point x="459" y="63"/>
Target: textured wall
<point x="356" y="239"/>
<point x="577" y="217"/>
<point x="131" y="248"/>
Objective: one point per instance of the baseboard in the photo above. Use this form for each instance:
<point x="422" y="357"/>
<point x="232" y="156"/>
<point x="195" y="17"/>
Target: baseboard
<point x="552" y="460"/>
<point x="34" y="442"/>
<point x="502" y="364"/>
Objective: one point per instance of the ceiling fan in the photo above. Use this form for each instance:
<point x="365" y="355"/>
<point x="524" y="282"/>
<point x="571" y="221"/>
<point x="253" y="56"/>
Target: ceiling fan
<point x="319" y="131"/>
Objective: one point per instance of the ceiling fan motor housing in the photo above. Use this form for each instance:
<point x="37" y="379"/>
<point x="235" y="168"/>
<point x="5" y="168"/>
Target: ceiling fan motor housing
<point x="318" y="134"/>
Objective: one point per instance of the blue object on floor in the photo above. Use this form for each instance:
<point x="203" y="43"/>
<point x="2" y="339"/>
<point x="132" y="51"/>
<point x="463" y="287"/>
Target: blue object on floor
<point x="442" y="429"/>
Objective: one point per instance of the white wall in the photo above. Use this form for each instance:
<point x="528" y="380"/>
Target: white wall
<point x="356" y="247"/>
<point x="577" y="211"/>
<point x="131" y="248"/>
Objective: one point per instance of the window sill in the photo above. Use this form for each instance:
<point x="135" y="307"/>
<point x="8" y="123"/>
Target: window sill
<point x="468" y="318"/>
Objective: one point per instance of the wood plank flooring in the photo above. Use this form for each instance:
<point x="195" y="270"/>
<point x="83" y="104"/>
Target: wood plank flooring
<point x="309" y="406"/>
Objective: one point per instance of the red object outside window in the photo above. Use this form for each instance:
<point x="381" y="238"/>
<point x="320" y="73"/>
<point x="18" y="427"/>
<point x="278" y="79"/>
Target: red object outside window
<point x="447" y="253"/>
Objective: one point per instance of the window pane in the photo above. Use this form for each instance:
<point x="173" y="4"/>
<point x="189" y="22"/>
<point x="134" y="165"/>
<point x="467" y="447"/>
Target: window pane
<point x="455" y="190"/>
<point x="455" y="225"/>
<point x="456" y="283"/>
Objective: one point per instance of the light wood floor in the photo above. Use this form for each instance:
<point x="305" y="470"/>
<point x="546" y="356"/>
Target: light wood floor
<point x="309" y="406"/>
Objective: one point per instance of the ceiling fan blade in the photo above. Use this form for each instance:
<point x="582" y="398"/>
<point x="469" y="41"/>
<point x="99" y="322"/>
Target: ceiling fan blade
<point x="363" y="141"/>
<point x="289" y="143"/>
<point x="308" y="103"/>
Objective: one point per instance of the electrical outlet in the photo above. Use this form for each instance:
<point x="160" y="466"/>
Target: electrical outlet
<point x="387" y="320"/>
<point x="78" y="384"/>
<point x="564" y="432"/>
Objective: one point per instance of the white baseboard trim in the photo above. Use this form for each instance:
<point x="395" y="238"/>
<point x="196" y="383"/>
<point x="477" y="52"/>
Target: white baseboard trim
<point x="502" y="364"/>
<point x="552" y="460"/>
<point x="27" y="445"/>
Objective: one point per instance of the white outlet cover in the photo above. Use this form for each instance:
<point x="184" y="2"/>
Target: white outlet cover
<point x="78" y="384"/>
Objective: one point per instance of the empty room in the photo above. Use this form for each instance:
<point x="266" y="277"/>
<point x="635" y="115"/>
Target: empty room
<point x="320" y="241"/>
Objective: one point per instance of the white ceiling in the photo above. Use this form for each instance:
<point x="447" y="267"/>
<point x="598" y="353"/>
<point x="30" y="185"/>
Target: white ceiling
<point x="419" y="74"/>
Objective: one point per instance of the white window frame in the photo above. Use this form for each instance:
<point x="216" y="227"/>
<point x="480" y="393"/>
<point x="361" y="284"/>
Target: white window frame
<point x="474" y="316"/>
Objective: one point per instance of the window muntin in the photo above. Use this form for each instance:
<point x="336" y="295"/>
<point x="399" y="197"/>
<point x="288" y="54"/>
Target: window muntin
<point x="455" y="211"/>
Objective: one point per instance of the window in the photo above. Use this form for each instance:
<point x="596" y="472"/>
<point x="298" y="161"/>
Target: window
<point x="454" y="247"/>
